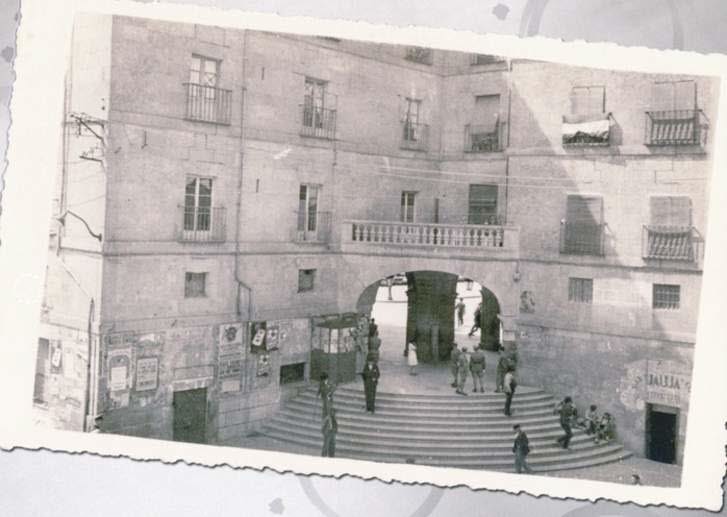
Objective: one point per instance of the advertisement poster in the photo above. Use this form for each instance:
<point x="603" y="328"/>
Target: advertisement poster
<point x="56" y="357"/>
<point x="147" y="373"/>
<point x="257" y="337"/>
<point x="263" y="365"/>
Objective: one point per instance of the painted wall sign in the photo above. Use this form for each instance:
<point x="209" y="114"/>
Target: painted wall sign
<point x="147" y="373"/>
<point x="667" y="383"/>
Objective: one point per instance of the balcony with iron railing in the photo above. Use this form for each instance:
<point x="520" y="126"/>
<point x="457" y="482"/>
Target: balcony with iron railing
<point x="676" y="128"/>
<point x="208" y="104"/>
<point x="312" y="227"/>
<point x="582" y="239"/>
<point x="483" y="139"/>
<point x="437" y="239"/>
<point x="202" y="224"/>
<point x="669" y="243"/>
<point x="317" y="121"/>
<point x="414" y="136"/>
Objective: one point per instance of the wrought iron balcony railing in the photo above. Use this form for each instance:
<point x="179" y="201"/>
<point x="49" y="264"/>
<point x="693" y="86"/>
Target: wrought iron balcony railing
<point x="482" y="139"/>
<point x="208" y="104"/>
<point x="668" y="243"/>
<point x="313" y="227"/>
<point x="414" y="136"/>
<point x="317" y="121"/>
<point x="202" y="224"/>
<point x="676" y="127"/>
<point x="582" y="238"/>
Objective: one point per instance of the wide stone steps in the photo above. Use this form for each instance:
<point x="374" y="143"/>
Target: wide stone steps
<point x="438" y="430"/>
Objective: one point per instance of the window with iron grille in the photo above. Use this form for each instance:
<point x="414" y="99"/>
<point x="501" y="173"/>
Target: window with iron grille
<point x="587" y="123"/>
<point x="306" y="279"/>
<point x="290" y="373"/>
<point x="583" y="228"/>
<point x="206" y="101"/>
<point x="580" y="290"/>
<point x="482" y="134"/>
<point x="485" y="59"/>
<point x="673" y="117"/>
<point x="198" y="204"/>
<point x="319" y="110"/>
<point x="482" y="204"/>
<point x="666" y="296"/>
<point x="195" y="285"/>
<point x="407" y="206"/>
<point x="410" y="119"/>
<point x="669" y="234"/>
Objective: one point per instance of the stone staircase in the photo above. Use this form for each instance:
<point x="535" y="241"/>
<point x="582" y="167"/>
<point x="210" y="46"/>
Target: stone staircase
<point x="439" y="430"/>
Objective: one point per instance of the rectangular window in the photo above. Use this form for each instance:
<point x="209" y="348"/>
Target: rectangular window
<point x="588" y="100"/>
<point x="195" y="285"/>
<point x="673" y="117"/>
<point x="204" y="71"/>
<point x="666" y="296"/>
<point x="292" y="373"/>
<point x="407" y="206"/>
<point x="314" y="102"/>
<point x="580" y="290"/>
<point x="669" y="234"/>
<point x="308" y="208"/>
<point x="482" y="132"/>
<point x="306" y="279"/>
<point x="582" y="230"/>
<point x="410" y="120"/>
<point x="482" y="204"/>
<point x="485" y="59"/>
<point x="198" y="204"/>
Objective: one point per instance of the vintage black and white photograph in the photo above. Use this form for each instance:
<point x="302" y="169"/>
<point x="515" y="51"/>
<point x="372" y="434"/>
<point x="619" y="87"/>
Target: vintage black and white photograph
<point x="370" y="251"/>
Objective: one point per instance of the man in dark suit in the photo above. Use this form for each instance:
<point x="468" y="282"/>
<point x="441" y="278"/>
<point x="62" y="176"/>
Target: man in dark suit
<point x="566" y="410"/>
<point x="521" y="448"/>
<point x="329" y="430"/>
<point x="370" y="376"/>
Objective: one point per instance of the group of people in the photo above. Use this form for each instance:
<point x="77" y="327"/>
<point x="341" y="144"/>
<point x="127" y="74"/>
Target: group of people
<point x="601" y="427"/>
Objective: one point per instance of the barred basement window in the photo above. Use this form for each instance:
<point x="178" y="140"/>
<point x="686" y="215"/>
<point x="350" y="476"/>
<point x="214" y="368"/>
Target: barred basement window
<point x="580" y="290"/>
<point x="666" y="296"/>
<point x="290" y="373"/>
<point x="195" y="285"/>
<point x="306" y="279"/>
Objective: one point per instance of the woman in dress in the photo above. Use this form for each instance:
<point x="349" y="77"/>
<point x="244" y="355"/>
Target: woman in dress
<point x="411" y="358"/>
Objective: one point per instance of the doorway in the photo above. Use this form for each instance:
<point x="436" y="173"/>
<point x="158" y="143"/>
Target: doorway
<point x="662" y="425"/>
<point x="190" y="416"/>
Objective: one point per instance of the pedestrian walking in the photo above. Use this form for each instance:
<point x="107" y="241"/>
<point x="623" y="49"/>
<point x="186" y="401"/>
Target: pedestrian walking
<point x="521" y="448"/>
<point x="325" y="392"/>
<point x="477" y="369"/>
<point x="502" y="365"/>
<point x="463" y="366"/>
<point x="509" y="385"/>
<point x="329" y="430"/>
<point x="370" y="376"/>
<point x="454" y="362"/>
<point x="566" y="410"/>
<point x="411" y="358"/>
<point x="477" y="320"/>
<point x="460" y="308"/>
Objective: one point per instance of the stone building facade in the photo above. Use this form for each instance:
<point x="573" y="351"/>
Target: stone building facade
<point x="239" y="178"/>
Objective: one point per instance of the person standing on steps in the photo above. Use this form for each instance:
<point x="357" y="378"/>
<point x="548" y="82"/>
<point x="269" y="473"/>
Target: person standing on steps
<point x="521" y="448"/>
<point x="477" y="320"/>
<point x="454" y="362"/>
<point x="477" y="369"/>
<point x="329" y="430"/>
<point x="501" y="370"/>
<point x="370" y="376"/>
<point x="325" y="392"/>
<point x="374" y="346"/>
<point x="509" y="385"/>
<point x="411" y="358"/>
<point x="566" y="410"/>
<point x="463" y="366"/>
<point x="460" y="308"/>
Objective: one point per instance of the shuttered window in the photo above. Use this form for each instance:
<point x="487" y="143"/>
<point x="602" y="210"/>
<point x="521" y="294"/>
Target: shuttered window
<point x="582" y="231"/>
<point x="666" y="296"/>
<point x="671" y="211"/>
<point x="407" y="206"/>
<point x="482" y="204"/>
<point x="580" y="290"/>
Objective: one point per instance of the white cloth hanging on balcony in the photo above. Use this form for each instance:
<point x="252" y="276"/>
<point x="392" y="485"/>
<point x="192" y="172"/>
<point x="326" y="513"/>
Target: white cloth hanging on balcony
<point x="593" y="128"/>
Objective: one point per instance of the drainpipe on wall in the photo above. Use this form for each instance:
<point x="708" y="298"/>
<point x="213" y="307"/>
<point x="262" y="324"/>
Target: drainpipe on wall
<point x="90" y="359"/>
<point x="240" y="284"/>
<point x="507" y="155"/>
